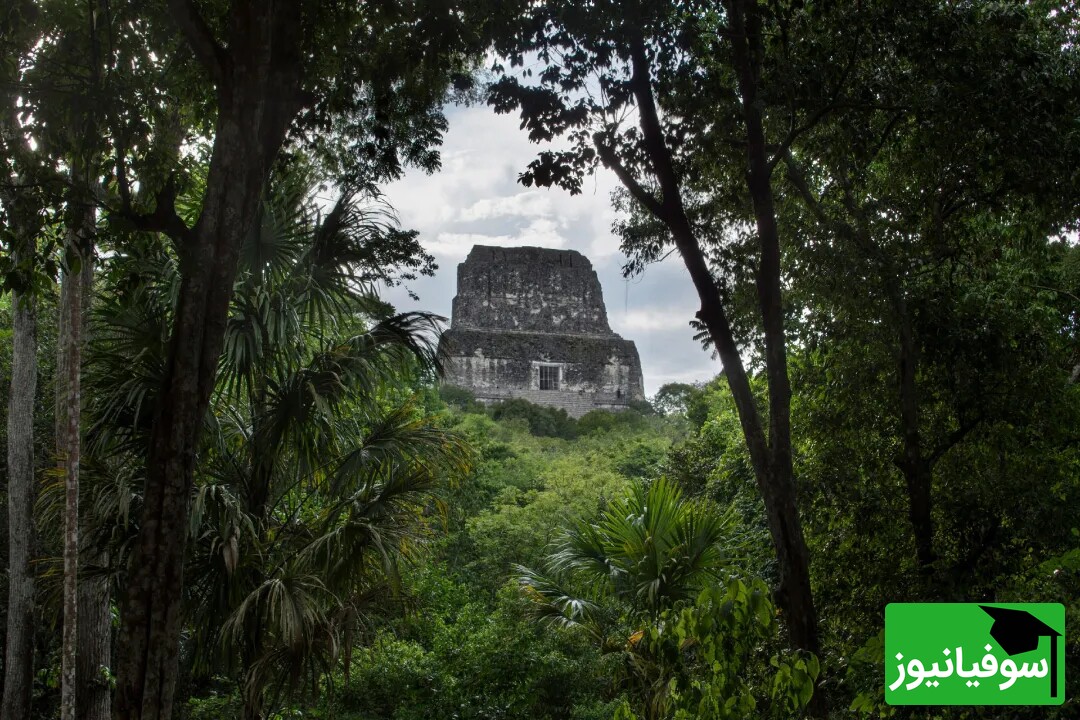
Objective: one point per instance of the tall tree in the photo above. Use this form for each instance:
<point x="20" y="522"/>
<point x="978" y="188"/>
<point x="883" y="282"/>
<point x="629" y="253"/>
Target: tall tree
<point x="19" y="651"/>
<point x="308" y="486"/>
<point x="76" y="277"/>
<point x="691" y="75"/>
<point x="372" y="74"/>
<point x="921" y="201"/>
<point x="63" y="109"/>
<point x="23" y="205"/>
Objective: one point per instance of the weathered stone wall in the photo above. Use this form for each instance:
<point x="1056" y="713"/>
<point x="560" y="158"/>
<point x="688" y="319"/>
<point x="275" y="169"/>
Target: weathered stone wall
<point x="520" y="309"/>
<point x="529" y="289"/>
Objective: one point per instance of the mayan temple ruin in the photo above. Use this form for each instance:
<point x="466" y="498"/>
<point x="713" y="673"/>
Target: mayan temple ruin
<point x="530" y="323"/>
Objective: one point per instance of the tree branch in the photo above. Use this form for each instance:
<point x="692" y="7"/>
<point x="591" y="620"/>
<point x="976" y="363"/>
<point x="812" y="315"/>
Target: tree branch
<point x="953" y="438"/>
<point x="201" y="38"/>
<point x="834" y="104"/>
<point x="796" y="131"/>
<point x="651" y="131"/>
<point x="164" y="219"/>
<point x="611" y="161"/>
<point x="797" y="178"/>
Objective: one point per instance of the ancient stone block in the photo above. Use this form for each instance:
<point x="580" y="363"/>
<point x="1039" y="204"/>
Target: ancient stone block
<point x="530" y="323"/>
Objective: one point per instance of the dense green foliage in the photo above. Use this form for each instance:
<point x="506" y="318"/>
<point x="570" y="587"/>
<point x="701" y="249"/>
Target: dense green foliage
<point x="458" y="636"/>
<point x="876" y="202"/>
<point x="466" y="641"/>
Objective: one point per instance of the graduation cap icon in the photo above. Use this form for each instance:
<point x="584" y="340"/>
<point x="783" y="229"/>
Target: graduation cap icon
<point x="1018" y="631"/>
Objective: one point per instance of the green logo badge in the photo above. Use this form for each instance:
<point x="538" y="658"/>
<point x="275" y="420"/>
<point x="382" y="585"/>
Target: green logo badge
<point x="972" y="654"/>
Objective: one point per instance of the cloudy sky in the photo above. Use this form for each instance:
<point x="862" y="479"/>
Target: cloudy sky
<point x="476" y="200"/>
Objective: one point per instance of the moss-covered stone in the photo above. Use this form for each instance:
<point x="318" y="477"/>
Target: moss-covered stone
<point x="523" y="313"/>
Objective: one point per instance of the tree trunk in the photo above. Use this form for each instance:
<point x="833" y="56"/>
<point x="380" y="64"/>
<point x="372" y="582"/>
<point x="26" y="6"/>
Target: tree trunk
<point x="19" y="653"/>
<point x="95" y="642"/>
<point x="771" y="455"/>
<point x="68" y="443"/>
<point x="914" y="463"/>
<point x="21" y="211"/>
<point x="258" y="96"/>
<point x="87" y="652"/>
<point x="94" y="657"/>
<point x="917" y="469"/>
<point x="150" y="627"/>
<point x="795" y="592"/>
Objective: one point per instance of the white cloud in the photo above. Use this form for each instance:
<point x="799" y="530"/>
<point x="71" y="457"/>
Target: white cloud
<point x="653" y="318"/>
<point x="692" y="375"/>
<point x="476" y="200"/>
<point x="541" y="232"/>
<point x="529" y="204"/>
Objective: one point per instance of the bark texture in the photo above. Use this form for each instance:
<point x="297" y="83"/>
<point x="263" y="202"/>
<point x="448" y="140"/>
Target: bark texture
<point x="95" y="643"/>
<point x="776" y="477"/>
<point x="770" y="453"/>
<point x="94" y="656"/>
<point x="69" y="437"/>
<point x="19" y="652"/>
<point x="19" y="160"/>
<point x="71" y="308"/>
<point x="258" y="89"/>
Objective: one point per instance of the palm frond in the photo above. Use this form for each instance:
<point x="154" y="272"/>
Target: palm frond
<point x="552" y="602"/>
<point x="314" y="481"/>
<point x="651" y="548"/>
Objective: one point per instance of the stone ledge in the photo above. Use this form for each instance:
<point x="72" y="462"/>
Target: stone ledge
<point x="575" y="404"/>
<point x="501" y="331"/>
<point x="518" y="309"/>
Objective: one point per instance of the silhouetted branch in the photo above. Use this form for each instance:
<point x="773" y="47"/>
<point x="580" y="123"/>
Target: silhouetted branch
<point x="953" y="438"/>
<point x="164" y="219"/>
<point x="201" y="38"/>
<point x="643" y="196"/>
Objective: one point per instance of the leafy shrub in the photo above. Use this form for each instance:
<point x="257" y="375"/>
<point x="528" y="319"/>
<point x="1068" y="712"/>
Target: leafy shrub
<point x="474" y="664"/>
<point x="599" y="421"/>
<point x="460" y="399"/>
<point x="213" y="707"/>
<point x="543" y="421"/>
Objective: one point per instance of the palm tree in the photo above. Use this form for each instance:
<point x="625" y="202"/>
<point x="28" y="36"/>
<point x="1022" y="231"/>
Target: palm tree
<point x="623" y="572"/>
<point x="317" y="469"/>
<point x="648" y="550"/>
